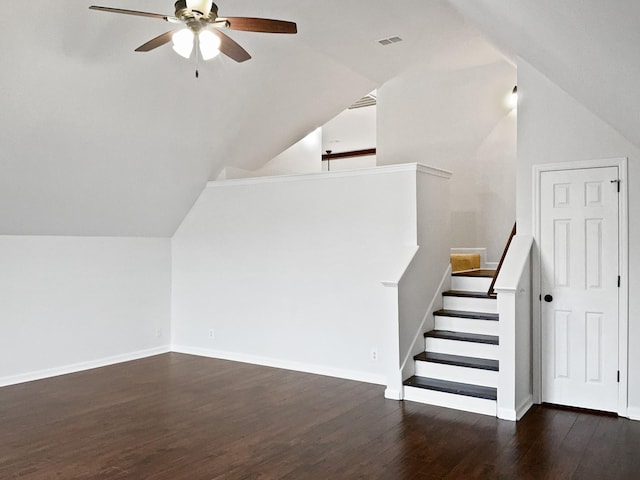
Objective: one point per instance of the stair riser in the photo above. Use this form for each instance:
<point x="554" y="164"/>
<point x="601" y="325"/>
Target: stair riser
<point x="467" y="325"/>
<point x="470" y="284"/>
<point x="485" y="305"/>
<point x="466" y="349"/>
<point x="454" y="373"/>
<point x="451" y="400"/>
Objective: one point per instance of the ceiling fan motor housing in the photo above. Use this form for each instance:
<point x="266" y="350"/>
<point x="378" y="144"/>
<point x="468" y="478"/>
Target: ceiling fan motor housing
<point x="184" y="12"/>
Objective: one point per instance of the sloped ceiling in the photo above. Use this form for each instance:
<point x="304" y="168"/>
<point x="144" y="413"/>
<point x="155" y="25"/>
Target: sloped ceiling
<point x="589" y="48"/>
<point x="96" y="139"/>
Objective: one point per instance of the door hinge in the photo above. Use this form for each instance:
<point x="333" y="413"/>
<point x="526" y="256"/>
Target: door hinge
<point x="618" y="281"/>
<point x="618" y="183"/>
<point x="618" y="376"/>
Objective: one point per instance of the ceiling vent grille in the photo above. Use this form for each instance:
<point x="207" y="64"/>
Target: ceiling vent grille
<point x="368" y="100"/>
<point x="390" y="40"/>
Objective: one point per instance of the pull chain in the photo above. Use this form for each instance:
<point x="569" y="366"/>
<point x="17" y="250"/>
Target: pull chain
<point x="197" y="45"/>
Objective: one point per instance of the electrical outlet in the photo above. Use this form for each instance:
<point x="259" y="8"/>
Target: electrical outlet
<point x="211" y="334"/>
<point x="374" y="354"/>
<point x="158" y="332"/>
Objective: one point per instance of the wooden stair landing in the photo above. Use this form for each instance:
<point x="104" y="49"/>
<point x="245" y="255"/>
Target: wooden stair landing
<point x="481" y="272"/>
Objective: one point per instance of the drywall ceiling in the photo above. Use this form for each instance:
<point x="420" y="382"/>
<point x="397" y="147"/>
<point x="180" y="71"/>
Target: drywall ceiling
<point x="96" y="139"/>
<point x="589" y="48"/>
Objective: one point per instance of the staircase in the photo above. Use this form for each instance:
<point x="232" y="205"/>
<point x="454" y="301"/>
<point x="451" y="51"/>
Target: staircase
<point x="459" y="367"/>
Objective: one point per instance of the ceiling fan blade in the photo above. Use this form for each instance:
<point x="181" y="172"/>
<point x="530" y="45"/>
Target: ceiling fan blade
<point x="156" y="42"/>
<point x="128" y="12"/>
<point x="230" y="48"/>
<point x="266" y="25"/>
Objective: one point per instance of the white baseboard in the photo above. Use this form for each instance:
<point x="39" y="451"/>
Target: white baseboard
<point x="524" y="407"/>
<point x="392" y="394"/>
<point x="79" y="367"/>
<point x="518" y="413"/>
<point x="285" y="364"/>
<point x="633" y="413"/>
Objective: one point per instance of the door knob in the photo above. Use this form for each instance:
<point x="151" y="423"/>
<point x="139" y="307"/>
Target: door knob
<point x="548" y="298"/>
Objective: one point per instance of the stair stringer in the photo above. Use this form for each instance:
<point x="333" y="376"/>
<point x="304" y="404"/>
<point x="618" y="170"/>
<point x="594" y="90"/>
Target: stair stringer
<point x="407" y="367"/>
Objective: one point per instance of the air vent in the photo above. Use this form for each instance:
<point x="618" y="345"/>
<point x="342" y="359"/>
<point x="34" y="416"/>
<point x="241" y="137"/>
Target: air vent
<point x="368" y="100"/>
<point x="390" y="40"/>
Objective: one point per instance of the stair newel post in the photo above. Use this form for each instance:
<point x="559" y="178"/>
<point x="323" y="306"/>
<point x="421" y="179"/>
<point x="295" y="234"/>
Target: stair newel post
<point x="506" y="400"/>
<point x="513" y="286"/>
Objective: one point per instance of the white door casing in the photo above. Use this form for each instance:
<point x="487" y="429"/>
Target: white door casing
<point x="580" y="225"/>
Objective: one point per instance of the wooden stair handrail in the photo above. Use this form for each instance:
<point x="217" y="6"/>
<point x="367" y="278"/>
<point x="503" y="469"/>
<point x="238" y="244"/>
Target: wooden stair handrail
<point x="350" y="154"/>
<point x="504" y="254"/>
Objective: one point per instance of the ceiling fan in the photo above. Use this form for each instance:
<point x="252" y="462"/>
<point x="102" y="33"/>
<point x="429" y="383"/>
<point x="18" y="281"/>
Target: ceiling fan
<point x="202" y="26"/>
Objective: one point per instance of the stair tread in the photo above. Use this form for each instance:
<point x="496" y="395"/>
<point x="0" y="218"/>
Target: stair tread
<point x="446" y="386"/>
<point x="467" y="294"/>
<point x="458" y="360"/>
<point x="465" y="314"/>
<point x="482" y="272"/>
<point x="463" y="336"/>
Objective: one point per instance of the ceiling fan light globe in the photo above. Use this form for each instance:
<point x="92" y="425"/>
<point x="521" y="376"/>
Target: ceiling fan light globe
<point x="209" y="44"/>
<point x="183" y="42"/>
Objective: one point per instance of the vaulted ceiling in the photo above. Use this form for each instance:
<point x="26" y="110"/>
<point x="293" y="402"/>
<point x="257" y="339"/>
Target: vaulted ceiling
<point x="96" y="139"/>
<point x="589" y="48"/>
<point x="99" y="140"/>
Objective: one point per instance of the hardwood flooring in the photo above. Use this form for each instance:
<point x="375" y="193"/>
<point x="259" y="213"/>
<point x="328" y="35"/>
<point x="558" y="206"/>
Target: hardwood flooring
<point x="180" y="417"/>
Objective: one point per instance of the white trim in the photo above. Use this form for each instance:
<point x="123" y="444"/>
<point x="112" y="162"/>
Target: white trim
<point x="524" y="407"/>
<point x="436" y="172"/>
<point x="419" y="335"/>
<point x="402" y="167"/>
<point x="410" y="255"/>
<point x="506" y="414"/>
<point x="515" y="415"/>
<point x="633" y="413"/>
<point x="393" y="394"/>
<point x="79" y="367"/>
<point x="519" y="251"/>
<point x="623" y="269"/>
<point x="482" y="406"/>
<point x="284" y="364"/>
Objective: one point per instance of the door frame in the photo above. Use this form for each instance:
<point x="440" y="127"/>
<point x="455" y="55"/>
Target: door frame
<point x="623" y="268"/>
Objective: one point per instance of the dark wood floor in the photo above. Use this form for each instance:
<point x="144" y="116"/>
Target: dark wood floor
<point x="181" y="417"/>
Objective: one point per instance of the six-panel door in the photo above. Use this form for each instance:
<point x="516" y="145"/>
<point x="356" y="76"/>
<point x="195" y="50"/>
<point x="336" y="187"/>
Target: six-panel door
<point x="579" y="272"/>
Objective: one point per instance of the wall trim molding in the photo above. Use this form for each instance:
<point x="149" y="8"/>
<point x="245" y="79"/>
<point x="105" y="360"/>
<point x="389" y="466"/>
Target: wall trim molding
<point x="633" y="413"/>
<point x="518" y="413"/>
<point x="81" y="366"/>
<point x="417" y="345"/>
<point x="284" y="364"/>
<point x="385" y="169"/>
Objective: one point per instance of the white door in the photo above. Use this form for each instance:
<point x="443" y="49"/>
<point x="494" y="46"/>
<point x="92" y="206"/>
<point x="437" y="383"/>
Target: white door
<point x="579" y="290"/>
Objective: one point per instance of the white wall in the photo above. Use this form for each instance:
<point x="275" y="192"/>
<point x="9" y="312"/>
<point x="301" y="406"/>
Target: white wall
<point x="458" y="121"/>
<point x="302" y="157"/>
<point x="353" y="129"/>
<point x="287" y="271"/>
<point x="420" y="289"/>
<point x="553" y="127"/>
<point x="69" y="303"/>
